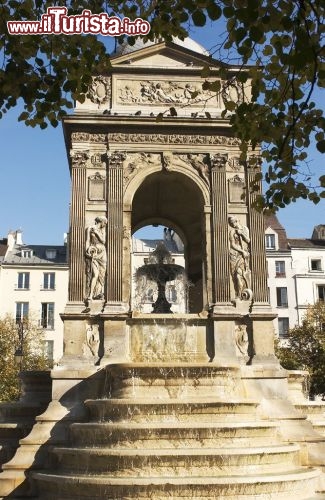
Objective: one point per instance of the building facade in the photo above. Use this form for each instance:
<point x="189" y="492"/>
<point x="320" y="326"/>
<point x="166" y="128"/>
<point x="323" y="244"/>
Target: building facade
<point x="34" y="283"/>
<point x="296" y="273"/>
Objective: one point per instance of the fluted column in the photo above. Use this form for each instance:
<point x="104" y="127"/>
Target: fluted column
<point x="77" y="226"/>
<point x="115" y="229"/>
<point x="258" y="256"/>
<point x="220" y="246"/>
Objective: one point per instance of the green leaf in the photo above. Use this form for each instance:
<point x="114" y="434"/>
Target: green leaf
<point x="321" y="146"/>
<point x="199" y="18"/>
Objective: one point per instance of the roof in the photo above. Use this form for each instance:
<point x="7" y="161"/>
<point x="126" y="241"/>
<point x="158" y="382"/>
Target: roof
<point x="147" y="246"/>
<point x="39" y="255"/>
<point x="306" y="243"/>
<point x="187" y="43"/>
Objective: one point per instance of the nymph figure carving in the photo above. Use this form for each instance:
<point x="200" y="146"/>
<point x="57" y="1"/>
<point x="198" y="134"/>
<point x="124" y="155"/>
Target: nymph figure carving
<point x="96" y="258"/>
<point x="239" y="241"/>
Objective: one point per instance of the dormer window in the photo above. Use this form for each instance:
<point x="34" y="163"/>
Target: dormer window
<point x="50" y="253"/>
<point x="27" y="254"/>
<point x="270" y="241"/>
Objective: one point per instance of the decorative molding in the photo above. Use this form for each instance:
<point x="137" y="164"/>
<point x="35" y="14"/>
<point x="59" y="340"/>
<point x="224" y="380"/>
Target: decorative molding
<point x="235" y="164"/>
<point x="116" y="158"/>
<point x="221" y="140"/>
<point x="254" y="162"/>
<point x="162" y="92"/>
<point x="135" y="161"/>
<point x="218" y="160"/>
<point x="97" y="160"/>
<point x="97" y="187"/>
<point x="86" y="137"/>
<point x="100" y="90"/>
<point x="79" y="158"/>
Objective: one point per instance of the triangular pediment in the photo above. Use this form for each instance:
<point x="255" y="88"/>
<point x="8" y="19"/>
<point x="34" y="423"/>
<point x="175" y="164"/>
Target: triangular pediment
<point x="164" y="55"/>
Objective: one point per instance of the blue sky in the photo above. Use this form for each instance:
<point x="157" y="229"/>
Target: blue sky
<point x="35" y="181"/>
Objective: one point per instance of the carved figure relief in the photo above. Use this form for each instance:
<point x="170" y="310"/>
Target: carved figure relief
<point x="241" y="339"/>
<point x="100" y="89"/>
<point x="96" y="187"/>
<point x="173" y="139"/>
<point x="157" y="92"/>
<point x="198" y="162"/>
<point x="136" y="161"/>
<point x="96" y="258"/>
<point x="239" y="241"/>
<point x="79" y="158"/>
<point x="236" y="190"/>
<point x="92" y="339"/>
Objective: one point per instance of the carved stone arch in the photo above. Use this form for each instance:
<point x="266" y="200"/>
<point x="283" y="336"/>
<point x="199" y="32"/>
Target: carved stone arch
<point x="142" y="174"/>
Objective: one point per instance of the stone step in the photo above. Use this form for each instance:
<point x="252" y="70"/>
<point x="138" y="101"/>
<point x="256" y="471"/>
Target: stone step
<point x="195" y="435"/>
<point x="171" y="410"/>
<point x="158" y="380"/>
<point x="178" y="462"/>
<point x="298" y="484"/>
<point x="312" y="408"/>
<point x="14" y="429"/>
<point x="12" y="412"/>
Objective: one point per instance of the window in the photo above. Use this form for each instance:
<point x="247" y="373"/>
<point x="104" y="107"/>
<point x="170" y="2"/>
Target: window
<point x="50" y="253"/>
<point x="270" y="241"/>
<point x="282" y="296"/>
<point x="321" y="292"/>
<point x="22" y="309"/>
<point x="49" y="281"/>
<point x="47" y="315"/>
<point x="280" y="268"/>
<point x="316" y="264"/>
<point x="283" y="325"/>
<point x="23" y="281"/>
<point x="27" y="254"/>
<point x="148" y="295"/>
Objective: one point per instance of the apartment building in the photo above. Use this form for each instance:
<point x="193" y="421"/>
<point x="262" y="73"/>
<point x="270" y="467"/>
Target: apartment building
<point x="34" y="283"/>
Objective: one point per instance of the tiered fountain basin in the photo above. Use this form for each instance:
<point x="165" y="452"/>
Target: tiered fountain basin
<point x="175" y="431"/>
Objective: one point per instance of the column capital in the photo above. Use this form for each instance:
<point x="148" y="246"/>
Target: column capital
<point x="218" y="160"/>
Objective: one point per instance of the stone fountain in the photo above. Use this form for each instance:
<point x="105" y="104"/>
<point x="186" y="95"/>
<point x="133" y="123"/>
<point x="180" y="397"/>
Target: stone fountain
<point x="160" y="268"/>
<point x="167" y="406"/>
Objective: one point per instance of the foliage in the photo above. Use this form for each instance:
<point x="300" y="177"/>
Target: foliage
<point x="305" y="348"/>
<point x="33" y="356"/>
<point x="282" y="42"/>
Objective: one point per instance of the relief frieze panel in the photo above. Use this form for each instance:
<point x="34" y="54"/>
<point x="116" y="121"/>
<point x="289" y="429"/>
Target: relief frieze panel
<point x="221" y="140"/>
<point x="87" y="137"/>
<point x="162" y="92"/>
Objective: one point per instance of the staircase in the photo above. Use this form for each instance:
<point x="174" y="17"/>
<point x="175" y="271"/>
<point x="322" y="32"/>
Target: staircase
<point x="175" y="431"/>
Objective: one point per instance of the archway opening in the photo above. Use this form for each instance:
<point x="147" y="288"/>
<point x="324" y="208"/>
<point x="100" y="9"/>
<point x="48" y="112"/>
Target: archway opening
<point x="145" y="243"/>
<point x="174" y="201"/>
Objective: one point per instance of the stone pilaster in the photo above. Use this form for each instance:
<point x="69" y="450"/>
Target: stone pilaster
<point x="258" y="256"/>
<point x="115" y="233"/>
<point x="220" y="246"/>
<point x="77" y="226"/>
